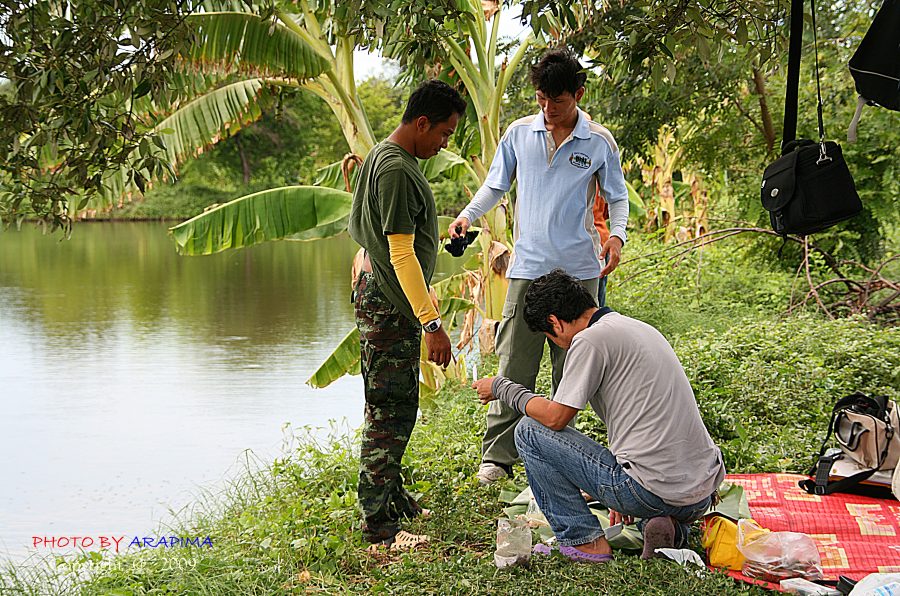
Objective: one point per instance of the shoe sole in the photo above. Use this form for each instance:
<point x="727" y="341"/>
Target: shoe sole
<point x="658" y="533"/>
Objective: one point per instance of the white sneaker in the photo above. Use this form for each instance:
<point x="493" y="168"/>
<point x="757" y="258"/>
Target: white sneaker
<point x="489" y="473"/>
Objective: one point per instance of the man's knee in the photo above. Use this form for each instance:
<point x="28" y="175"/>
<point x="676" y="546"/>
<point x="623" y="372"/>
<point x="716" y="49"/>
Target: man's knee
<point x="527" y="435"/>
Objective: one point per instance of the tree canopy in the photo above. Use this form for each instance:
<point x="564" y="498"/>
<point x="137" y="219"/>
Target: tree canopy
<point x="73" y="77"/>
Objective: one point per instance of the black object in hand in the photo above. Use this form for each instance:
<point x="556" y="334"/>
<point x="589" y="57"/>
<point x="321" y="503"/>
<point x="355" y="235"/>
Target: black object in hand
<point x="457" y="246"/>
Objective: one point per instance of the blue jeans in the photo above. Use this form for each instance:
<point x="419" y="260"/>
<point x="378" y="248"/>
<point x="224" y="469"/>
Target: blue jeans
<point x="558" y="463"/>
<point x="601" y="293"/>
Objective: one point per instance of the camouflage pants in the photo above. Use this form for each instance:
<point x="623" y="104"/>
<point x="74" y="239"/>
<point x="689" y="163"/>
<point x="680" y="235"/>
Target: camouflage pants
<point x="389" y="351"/>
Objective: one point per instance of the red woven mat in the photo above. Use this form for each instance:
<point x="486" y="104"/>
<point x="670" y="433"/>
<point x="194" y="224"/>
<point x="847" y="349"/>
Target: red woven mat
<point x="855" y="535"/>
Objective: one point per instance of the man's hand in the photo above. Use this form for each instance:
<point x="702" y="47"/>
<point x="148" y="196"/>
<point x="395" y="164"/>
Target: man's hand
<point x="438" y="344"/>
<point x="462" y="223"/>
<point x="616" y="517"/>
<point x="612" y="249"/>
<point x="483" y="388"/>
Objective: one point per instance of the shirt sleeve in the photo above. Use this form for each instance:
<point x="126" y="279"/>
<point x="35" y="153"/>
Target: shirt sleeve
<point x="582" y="375"/>
<point x="398" y="203"/>
<point x="483" y="201"/>
<point x="612" y="186"/>
<point x="618" y="219"/>
<point x="503" y="168"/>
<point x="409" y="274"/>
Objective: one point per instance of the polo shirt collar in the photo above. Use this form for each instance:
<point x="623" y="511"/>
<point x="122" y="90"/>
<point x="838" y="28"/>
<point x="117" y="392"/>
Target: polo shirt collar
<point x="582" y="125"/>
<point x="537" y="125"/>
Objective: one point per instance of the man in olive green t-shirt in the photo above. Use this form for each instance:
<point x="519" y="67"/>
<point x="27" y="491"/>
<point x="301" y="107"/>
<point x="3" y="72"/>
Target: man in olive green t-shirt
<point x="394" y="219"/>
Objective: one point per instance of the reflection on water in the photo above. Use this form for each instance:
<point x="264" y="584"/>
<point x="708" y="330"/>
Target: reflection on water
<point x="130" y="376"/>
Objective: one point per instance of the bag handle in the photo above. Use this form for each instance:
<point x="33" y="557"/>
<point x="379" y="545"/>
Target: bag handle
<point x="842" y="404"/>
<point x="823" y="156"/>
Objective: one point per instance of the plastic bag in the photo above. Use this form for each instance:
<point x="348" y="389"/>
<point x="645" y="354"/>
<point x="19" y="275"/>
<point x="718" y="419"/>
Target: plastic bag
<point x="774" y="556"/>
<point x="880" y="584"/>
<point x="534" y="517"/>
<point x="513" y="543"/>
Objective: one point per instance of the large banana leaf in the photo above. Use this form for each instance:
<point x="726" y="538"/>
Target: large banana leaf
<point x="247" y="43"/>
<point x="343" y="361"/>
<point x="447" y="164"/>
<point x="268" y="215"/>
<point x="215" y="114"/>
<point x="195" y="125"/>
<point x="332" y="176"/>
<point x="635" y="201"/>
<point x="324" y="231"/>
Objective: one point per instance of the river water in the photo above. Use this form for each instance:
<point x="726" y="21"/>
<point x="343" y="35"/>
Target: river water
<point x="132" y="378"/>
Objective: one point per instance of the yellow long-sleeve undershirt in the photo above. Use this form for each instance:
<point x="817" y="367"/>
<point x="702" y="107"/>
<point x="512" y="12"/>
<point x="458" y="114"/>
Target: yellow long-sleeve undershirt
<point x="409" y="274"/>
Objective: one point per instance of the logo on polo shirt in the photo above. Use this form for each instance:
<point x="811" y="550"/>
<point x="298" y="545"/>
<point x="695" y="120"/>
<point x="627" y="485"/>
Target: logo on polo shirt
<point x="580" y="160"/>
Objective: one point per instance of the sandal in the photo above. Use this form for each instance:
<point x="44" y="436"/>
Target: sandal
<point x="400" y="541"/>
<point x="578" y="556"/>
<point x="405" y="541"/>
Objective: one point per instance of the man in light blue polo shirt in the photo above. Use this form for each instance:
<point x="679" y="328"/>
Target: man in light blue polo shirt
<point x="559" y="158"/>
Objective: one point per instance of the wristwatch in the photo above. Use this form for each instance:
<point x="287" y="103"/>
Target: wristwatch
<point x="432" y="326"/>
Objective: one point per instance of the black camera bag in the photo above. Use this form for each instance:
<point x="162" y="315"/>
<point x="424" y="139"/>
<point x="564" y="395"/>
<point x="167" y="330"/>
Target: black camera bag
<point x="809" y="188"/>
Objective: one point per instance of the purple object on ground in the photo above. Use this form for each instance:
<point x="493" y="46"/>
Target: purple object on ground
<point x="541" y="549"/>
<point x="582" y="557"/>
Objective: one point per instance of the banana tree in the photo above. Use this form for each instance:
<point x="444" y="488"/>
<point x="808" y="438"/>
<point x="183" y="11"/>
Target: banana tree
<point x="308" y="45"/>
<point x="468" y="43"/>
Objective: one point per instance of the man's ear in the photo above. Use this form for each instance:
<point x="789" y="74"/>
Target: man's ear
<point x="423" y="124"/>
<point x="555" y="326"/>
<point x="579" y="93"/>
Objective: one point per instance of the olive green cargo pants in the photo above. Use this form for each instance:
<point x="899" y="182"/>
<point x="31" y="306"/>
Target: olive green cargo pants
<point x="520" y="351"/>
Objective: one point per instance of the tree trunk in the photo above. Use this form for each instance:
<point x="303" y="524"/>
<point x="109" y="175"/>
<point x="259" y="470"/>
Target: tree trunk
<point x="245" y="163"/>
<point x="768" y="128"/>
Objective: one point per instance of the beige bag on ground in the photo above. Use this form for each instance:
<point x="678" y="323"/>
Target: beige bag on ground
<point x="865" y="429"/>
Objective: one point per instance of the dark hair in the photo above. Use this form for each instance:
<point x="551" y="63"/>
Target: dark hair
<point x="557" y="72"/>
<point x="436" y="100"/>
<point x="556" y="293"/>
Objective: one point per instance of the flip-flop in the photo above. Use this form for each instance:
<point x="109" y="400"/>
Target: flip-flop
<point x="582" y="557"/>
<point x="405" y="541"/>
<point x="541" y="549"/>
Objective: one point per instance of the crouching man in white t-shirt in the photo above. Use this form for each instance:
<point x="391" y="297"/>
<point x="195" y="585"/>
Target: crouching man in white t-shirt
<point x="661" y="465"/>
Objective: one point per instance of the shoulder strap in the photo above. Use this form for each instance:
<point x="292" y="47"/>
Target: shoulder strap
<point x="789" y="132"/>
<point x="821" y="486"/>
<point x="605" y="310"/>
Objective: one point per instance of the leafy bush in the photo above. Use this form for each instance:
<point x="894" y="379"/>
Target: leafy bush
<point x="703" y="289"/>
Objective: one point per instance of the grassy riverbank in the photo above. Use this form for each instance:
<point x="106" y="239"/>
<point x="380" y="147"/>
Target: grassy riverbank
<point x="765" y="384"/>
